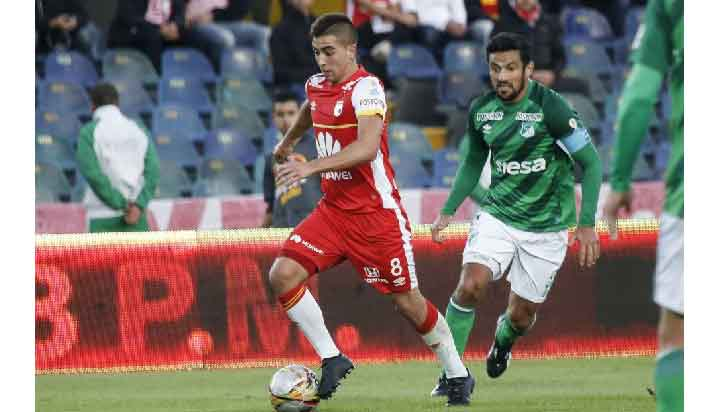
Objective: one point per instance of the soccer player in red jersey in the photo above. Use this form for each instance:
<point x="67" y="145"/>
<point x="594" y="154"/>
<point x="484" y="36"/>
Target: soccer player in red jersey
<point x="360" y="216"/>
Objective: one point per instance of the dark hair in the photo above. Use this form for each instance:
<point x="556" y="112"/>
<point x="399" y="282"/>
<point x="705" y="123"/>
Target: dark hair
<point x="335" y="24"/>
<point x="103" y="94"/>
<point x="507" y="41"/>
<point x="282" y="96"/>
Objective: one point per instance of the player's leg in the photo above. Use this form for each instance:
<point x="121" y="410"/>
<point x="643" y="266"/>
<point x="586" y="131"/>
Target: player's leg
<point x="669" y="277"/>
<point x="514" y="323"/>
<point x="306" y="252"/>
<point x="431" y="325"/>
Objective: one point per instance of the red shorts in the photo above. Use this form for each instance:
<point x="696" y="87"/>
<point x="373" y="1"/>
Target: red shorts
<point x="378" y="244"/>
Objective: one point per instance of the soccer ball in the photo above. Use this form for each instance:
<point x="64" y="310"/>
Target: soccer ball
<point x="293" y="389"/>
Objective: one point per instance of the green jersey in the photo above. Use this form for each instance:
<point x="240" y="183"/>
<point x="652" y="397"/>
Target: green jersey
<point x="532" y="175"/>
<point x="658" y="52"/>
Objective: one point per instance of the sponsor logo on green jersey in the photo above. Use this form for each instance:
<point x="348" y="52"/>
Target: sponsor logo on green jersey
<point x="520" y="168"/>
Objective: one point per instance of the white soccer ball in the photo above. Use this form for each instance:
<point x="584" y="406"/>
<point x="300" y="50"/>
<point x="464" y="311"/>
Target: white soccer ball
<point x="294" y="389"/>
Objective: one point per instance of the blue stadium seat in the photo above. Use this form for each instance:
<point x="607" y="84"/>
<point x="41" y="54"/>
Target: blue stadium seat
<point x="64" y="97"/>
<point x="412" y="61"/>
<point x="59" y="124"/>
<point x="270" y="139"/>
<point x="133" y="98"/>
<point x="588" y="55"/>
<point x="70" y="66"/>
<point x="228" y="143"/>
<point x="408" y="174"/>
<point x="177" y="119"/>
<point x="54" y="151"/>
<point x="586" y="22"/>
<point x="459" y="88"/>
<point x="224" y="177"/>
<point x="174" y="181"/>
<point x="445" y="165"/>
<point x="51" y="185"/>
<point x="246" y="63"/>
<point x="187" y="62"/>
<point x="599" y="87"/>
<point x="465" y="56"/>
<point x="179" y="149"/>
<point x="244" y="92"/>
<point x="190" y="92"/>
<point x="129" y="63"/>
<point x="240" y="118"/>
<point x="408" y="141"/>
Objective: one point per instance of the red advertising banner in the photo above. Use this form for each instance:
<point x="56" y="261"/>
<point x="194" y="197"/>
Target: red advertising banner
<point x="159" y="300"/>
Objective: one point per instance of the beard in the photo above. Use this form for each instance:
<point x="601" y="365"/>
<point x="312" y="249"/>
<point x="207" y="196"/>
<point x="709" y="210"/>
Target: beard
<point x="510" y="92"/>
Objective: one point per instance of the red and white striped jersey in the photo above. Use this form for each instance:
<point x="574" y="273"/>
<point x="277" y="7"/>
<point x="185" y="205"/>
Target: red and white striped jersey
<point x="335" y="109"/>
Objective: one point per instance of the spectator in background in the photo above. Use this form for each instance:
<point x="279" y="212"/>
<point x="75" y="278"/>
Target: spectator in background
<point x="120" y="164"/>
<point x="216" y="26"/>
<point x="544" y="32"/>
<point x="438" y="22"/>
<point x="290" y="46"/>
<point x="482" y="15"/>
<point x="148" y="25"/>
<point x="289" y="205"/>
<point x="60" y="24"/>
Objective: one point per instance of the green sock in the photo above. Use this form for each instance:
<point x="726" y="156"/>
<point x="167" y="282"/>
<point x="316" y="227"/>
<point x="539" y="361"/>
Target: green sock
<point x="669" y="381"/>
<point x="460" y="320"/>
<point x="505" y="333"/>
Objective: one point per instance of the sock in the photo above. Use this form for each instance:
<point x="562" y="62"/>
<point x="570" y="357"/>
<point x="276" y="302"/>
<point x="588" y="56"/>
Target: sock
<point x="669" y="381"/>
<point x="303" y="310"/>
<point x="460" y="320"/>
<point x="505" y="333"/>
<point x="437" y="336"/>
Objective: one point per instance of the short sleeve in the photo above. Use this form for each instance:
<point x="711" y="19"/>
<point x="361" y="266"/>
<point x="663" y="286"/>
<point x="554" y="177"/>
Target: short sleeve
<point x="560" y="118"/>
<point x="368" y="98"/>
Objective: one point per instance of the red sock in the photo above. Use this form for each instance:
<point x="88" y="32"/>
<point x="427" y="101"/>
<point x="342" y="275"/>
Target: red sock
<point x="430" y="320"/>
<point x="290" y="298"/>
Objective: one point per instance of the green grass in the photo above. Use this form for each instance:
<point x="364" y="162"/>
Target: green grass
<point x="563" y="385"/>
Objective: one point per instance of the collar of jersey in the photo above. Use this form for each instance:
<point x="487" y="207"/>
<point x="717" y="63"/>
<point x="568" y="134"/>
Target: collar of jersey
<point x="341" y="84"/>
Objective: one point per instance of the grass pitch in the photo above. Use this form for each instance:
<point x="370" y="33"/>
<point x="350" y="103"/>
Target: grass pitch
<point x="561" y="385"/>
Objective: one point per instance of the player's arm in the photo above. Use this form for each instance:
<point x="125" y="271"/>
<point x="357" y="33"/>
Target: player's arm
<point x="301" y="124"/>
<point x="651" y="57"/>
<point x="363" y="149"/>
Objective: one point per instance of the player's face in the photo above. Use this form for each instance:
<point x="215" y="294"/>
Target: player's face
<point x="284" y="114"/>
<point x="508" y="75"/>
<point x="334" y="58"/>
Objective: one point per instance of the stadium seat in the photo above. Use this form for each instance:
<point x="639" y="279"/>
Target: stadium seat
<point x="244" y="92"/>
<point x="70" y="66"/>
<point x="408" y="174"/>
<point x="412" y="61"/>
<point x="599" y="88"/>
<point x="409" y="104"/>
<point x="54" y="151"/>
<point x="586" y="22"/>
<point x="246" y="63"/>
<point x="187" y="62"/>
<point x="240" y="118"/>
<point x="51" y="184"/>
<point x="129" y="63"/>
<point x="445" y="166"/>
<point x="465" y="56"/>
<point x="258" y="173"/>
<point x="64" y="97"/>
<point x="177" y="119"/>
<point x="585" y="108"/>
<point x="408" y="141"/>
<point x="78" y="190"/>
<point x="224" y="177"/>
<point x="459" y="88"/>
<point x="228" y="143"/>
<point x="59" y="124"/>
<point x="270" y="139"/>
<point x="174" y="181"/>
<point x="179" y="149"/>
<point x="588" y="55"/>
<point x="133" y="98"/>
<point x="185" y="91"/>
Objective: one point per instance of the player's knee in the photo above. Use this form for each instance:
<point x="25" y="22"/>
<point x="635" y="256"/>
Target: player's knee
<point x="470" y="290"/>
<point x="283" y="276"/>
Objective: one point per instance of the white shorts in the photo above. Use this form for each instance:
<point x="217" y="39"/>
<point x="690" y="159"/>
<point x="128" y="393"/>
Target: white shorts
<point x="533" y="257"/>
<point x="669" y="272"/>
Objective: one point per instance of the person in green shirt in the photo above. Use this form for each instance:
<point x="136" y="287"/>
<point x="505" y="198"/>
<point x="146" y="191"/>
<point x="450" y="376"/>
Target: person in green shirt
<point x="533" y="137"/>
<point x="118" y="160"/>
<point x="657" y="53"/>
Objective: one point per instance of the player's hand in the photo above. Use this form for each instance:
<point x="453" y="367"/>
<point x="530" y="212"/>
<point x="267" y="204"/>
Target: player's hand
<point x="133" y="214"/>
<point x="292" y="171"/>
<point x="440" y="224"/>
<point x="282" y="151"/>
<point x="588" y="245"/>
<point x="615" y="201"/>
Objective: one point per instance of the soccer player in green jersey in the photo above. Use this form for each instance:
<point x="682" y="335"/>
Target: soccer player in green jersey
<point x="658" y="52"/>
<point x="533" y="136"/>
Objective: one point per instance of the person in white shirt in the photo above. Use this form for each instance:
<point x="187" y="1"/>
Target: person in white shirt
<point x="437" y="23"/>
